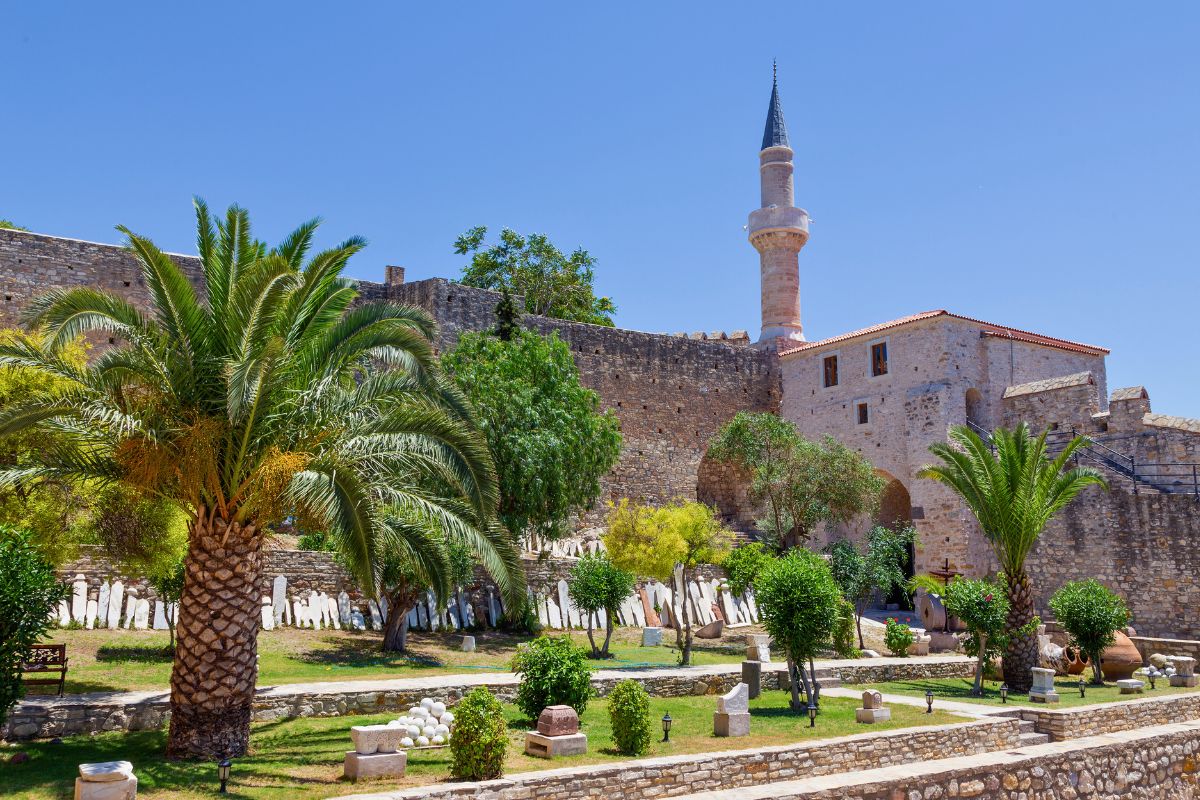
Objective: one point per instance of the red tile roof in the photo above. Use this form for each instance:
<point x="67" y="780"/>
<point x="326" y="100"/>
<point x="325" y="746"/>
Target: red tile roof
<point x="988" y="329"/>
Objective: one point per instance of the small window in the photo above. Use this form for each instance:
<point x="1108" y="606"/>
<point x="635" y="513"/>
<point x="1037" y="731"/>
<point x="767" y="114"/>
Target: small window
<point x="863" y="415"/>
<point x="831" y="376"/>
<point x="879" y="359"/>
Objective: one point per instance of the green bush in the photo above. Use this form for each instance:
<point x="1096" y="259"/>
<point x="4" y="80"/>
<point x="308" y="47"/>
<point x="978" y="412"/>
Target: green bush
<point x="743" y="565"/>
<point x="843" y="630"/>
<point x="1092" y="614"/>
<point x="629" y="713"/>
<point x="480" y="739"/>
<point x="29" y="591"/>
<point x="898" y="636"/>
<point x="554" y="672"/>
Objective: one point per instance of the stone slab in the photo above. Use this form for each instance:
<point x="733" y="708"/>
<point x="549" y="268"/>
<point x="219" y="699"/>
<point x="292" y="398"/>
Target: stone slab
<point x="123" y="789"/>
<point x="735" y="724"/>
<point x="1131" y="686"/>
<point x="752" y="677"/>
<point x="652" y="637"/>
<point x="573" y="744"/>
<point x="361" y="767"/>
<point x="872" y="715"/>
<point x="1184" y="680"/>
<point x="105" y="771"/>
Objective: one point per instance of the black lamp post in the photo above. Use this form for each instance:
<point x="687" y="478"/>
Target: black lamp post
<point x="1004" y="693"/>
<point x="812" y="716"/>
<point x="1151" y="676"/>
<point x="929" y="701"/>
<point x="666" y="723"/>
<point x="223" y="767"/>
<point x="1082" y="687"/>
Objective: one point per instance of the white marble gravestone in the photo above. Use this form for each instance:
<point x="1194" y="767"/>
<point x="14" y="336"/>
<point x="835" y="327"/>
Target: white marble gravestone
<point x="116" y="597"/>
<point x="141" y="615"/>
<point x="102" y="605"/>
<point x="343" y="605"/>
<point x="301" y="619"/>
<point x="64" y="613"/>
<point x="279" y="598"/>
<point x="90" y="614"/>
<point x="79" y="599"/>
<point x="268" y="615"/>
<point x="131" y="599"/>
<point x="732" y="717"/>
<point x="160" y="615"/>
<point x="376" y="617"/>
<point x="335" y="617"/>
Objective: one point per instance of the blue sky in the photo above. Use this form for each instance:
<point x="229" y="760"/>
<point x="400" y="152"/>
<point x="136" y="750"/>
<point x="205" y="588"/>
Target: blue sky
<point x="1031" y="164"/>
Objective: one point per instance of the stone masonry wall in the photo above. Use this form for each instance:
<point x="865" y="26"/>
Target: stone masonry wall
<point x="1103" y="718"/>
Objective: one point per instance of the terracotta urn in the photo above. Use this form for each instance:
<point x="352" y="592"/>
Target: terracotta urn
<point x="1120" y="659"/>
<point x="1077" y="662"/>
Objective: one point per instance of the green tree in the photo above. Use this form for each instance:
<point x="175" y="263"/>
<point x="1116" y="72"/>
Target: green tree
<point x="553" y="285"/>
<point x="802" y="483"/>
<point x="554" y="672"/>
<point x="596" y="586"/>
<point x="550" y="441"/>
<point x="146" y="534"/>
<point x="167" y="581"/>
<point x="243" y="400"/>
<point x="1091" y="614"/>
<point x="983" y="608"/>
<point x="880" y="569"/>
<point x="798" y="603"/>
<point x="1014" y="489"/>
<point x="743" y="565"/>
<point x="29" y="591"/>
<point x="679" y="536"/>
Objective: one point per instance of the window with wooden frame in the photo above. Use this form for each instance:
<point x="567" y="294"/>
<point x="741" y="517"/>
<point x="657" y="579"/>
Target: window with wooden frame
<point x="879" y="359"/>
<point x="830" y="371"/>
<point x="863" y="413"/>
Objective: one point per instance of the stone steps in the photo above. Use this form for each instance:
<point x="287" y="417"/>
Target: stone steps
<point x="1028" y="739"/>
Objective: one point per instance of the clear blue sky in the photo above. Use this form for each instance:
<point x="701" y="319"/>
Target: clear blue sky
<point x="1031" y="164"/>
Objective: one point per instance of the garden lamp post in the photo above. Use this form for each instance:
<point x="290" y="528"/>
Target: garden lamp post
<point x="666" y="723"/>
<point x="1082" y="687"/>
<point x="812" y="716"/>
<point x="1004" y="693"/>
<point x="223" y="767"/>
<point x="929" y="701"/>
<point x="1151" y="676"/>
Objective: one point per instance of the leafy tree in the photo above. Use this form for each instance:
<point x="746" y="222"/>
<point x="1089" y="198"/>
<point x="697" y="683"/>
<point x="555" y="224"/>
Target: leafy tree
<point x="597" y="585"/>
<point x="508" y="319"/>
<point x="245" y="400"/>
<point x="1092" y="614"/>
<point x="982" y="607"/>
<point x="743" y="565"/>
<point x="554" y="672"/>
<point x="801" y="482"/>
<point x="553" y="285"/>
<point x="880" y="569"/>
<point x="842" y="638"/>
<point x="798" y="603"/>
<point x="1013" y="488"/>
<point x="144" y="533"/>
<point x="167" y="581"/>
<point x="550" y="441"/>
<point x="29" y="591"/>
<point x="54" y="512"/>
<point x="652" y="542"/>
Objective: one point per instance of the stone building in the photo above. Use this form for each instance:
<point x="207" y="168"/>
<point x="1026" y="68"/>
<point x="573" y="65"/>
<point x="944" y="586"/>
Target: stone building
<point x="888" y="391"/>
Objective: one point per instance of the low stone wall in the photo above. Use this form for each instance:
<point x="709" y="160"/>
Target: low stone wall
<point x="1150" y="764"/>
<point x="673" y="776"/>
<point x="1149" y="645"/>
<point x="1101" y="718"/>
<point x="39" y="717"/>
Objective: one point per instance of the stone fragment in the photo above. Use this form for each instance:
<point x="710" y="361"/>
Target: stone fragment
<point x="64" y="613"/>
<point x="872" y="710"/>
<point x="1185" y="671"/>
<point x="359" y="767"/>
<point x="79" y="599"/>
<point x="268" y="615"/>
<point x="376" y="615"/>
<point x="736" y="724"/>
<point x="160" y="615"/>
<point x="711" y="630"/>
<point x="357" y="621"/>
<point x="109" y="780"/>
<point x="90" y="616"/>
<point x="141" y="615"/>
<point x="735" y="700"/>
<point x="116" y="597"/>
<point x="343" y="606"/>
<point x="1131" y="686"/>
<point x="558" y="721"/>
<point x="333" y="613"/>
<point x="468" y="644"/>
<point x="131" y="600"/>
<point x="1158" y="660"/>
<point x="652" y="637"/>
<point x="1043" y="686"/>
<point x="651" y="616"/>
<point x="279" y="599"/>
<point x="298" y="615"/>
<point x="102" y="605"/>
<point x="752" y="677"/>
<point x="370" y="739"/>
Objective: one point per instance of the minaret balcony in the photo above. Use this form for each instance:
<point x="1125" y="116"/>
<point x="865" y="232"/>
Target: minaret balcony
<point x="793" y="220"/>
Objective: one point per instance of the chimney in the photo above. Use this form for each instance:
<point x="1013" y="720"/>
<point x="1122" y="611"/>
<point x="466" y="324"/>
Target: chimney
<point x="393" y="275"/>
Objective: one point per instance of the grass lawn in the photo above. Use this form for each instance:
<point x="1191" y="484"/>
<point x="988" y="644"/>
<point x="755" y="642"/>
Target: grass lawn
<point x="959" y="689"/>
<point x="302" y="758"/>
<point x="129" y="660"/>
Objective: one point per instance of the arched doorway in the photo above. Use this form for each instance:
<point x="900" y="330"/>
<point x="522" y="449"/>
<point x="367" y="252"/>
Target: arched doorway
<point x="895" y="512"/>
<point x="975" y="412"/>
<point x="726" y="487"/>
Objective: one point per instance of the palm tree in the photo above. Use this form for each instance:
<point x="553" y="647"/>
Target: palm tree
<point x="262" y="392"/>
<point x="1013" y="488"/>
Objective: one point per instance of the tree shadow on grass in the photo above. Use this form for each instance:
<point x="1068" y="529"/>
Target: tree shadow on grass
<point x="134" y="654"/>
<point x="956" y="689"/>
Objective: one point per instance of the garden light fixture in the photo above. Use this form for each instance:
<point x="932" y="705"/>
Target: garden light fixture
<point x="223" y="767"/>
<point x="1004" y="693"/>
<point x="1082" y="687"/>
<point x="666" y="723"/>
<point x="812" y="716"/>
<point x="929" y="701"/>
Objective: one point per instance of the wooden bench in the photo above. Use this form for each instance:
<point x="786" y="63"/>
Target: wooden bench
<point x="45" y="659"/>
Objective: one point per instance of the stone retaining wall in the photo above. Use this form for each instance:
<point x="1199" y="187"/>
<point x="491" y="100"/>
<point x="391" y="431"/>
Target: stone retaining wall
<point x="1101" y="718"/>
<point x="673" y="776"/>
<point x="1149" y="645"/>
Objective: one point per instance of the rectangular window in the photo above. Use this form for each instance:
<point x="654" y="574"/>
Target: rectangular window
<point x="879" y="359"/>
<point x="831" y="376"/>
<point x="863" y="416"/>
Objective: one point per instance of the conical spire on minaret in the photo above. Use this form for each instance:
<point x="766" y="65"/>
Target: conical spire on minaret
<point x="775" y="132"/>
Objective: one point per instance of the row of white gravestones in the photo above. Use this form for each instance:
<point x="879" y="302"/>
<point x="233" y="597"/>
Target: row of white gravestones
<point x="105" y="609"/>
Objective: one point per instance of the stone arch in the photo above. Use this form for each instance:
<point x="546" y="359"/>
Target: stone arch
<point x="895" y="512"/>
<point x="726" y="487"/>
<point x="974" y="408"/>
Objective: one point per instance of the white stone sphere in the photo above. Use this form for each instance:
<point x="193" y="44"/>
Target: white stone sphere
<point x="414" y="731"/>
<point x="441" y="729"/>
<point x="406" y="741"/>
<point x="426" y="703"/>
<point x="437" y="709"/>
<point x="412" y="712"/>
<point x="438" y="739"/>
<point x="394" y="723"/>
<point x="428" y="730"/>
<point x="422" y="741"/>
<point x="422" y="713"/>
<point x="448" y="717"/>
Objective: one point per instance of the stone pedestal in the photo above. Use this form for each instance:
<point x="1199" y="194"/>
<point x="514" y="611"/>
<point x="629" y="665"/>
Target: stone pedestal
<point x="652" y="637"/>
<point x="542" y="746"/>
<point x="363" y="766"/>
<point x="468" y="644"/>
<point x="731" y="724"/>
<point x="1183" y="680"/>
<point x="108" y="780"/>
<point x="1131" y="686"/>
<point x="940" y="642"/>
<point x="1043" y="686"/>
<point x="752" y="677"/>
<point x="872" y="710"/>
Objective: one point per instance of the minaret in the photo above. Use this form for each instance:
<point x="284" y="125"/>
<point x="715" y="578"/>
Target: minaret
<point x="778" y="230"/>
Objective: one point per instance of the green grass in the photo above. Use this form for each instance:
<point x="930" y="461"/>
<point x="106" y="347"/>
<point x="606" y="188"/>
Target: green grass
<point x="302" y="758"/>
<point x="131" y="660"/>
<point x="959" y="690"/>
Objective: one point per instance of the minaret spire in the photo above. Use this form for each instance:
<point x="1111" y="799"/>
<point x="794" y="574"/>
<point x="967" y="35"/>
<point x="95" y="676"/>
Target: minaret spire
<point x="778" y="230"/>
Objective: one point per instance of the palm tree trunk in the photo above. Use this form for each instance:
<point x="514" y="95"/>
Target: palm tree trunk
<point x="1021" y="655"/>
<point x="216" y="653"/>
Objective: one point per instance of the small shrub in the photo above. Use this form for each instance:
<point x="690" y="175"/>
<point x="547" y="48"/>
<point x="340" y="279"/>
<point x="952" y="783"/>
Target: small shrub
<point x="843" y="630"/>
<point x="1092" y="614"/>
<point x="743" y="565"/>
<point x="898" y="637"/>
<point x="480" y="739"/>
<point x="554" y="672"/>
<point x="629" y="713"/>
